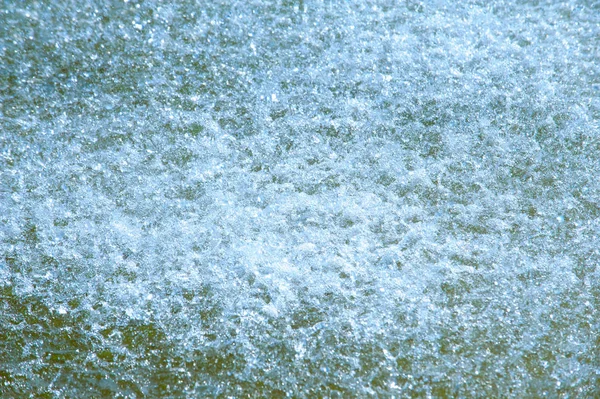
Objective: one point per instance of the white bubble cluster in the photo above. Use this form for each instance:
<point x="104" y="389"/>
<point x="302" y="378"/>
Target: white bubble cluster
<point x="299" y="199"/>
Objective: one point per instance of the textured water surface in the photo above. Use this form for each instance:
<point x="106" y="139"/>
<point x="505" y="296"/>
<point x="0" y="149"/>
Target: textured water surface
<point x="299" y="199"/>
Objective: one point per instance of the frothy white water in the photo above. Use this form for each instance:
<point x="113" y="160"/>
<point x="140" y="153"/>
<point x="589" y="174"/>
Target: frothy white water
<point x="312" y="198"/>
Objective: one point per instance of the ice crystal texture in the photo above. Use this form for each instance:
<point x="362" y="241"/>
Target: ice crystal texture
<point x="318" y="198"/>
